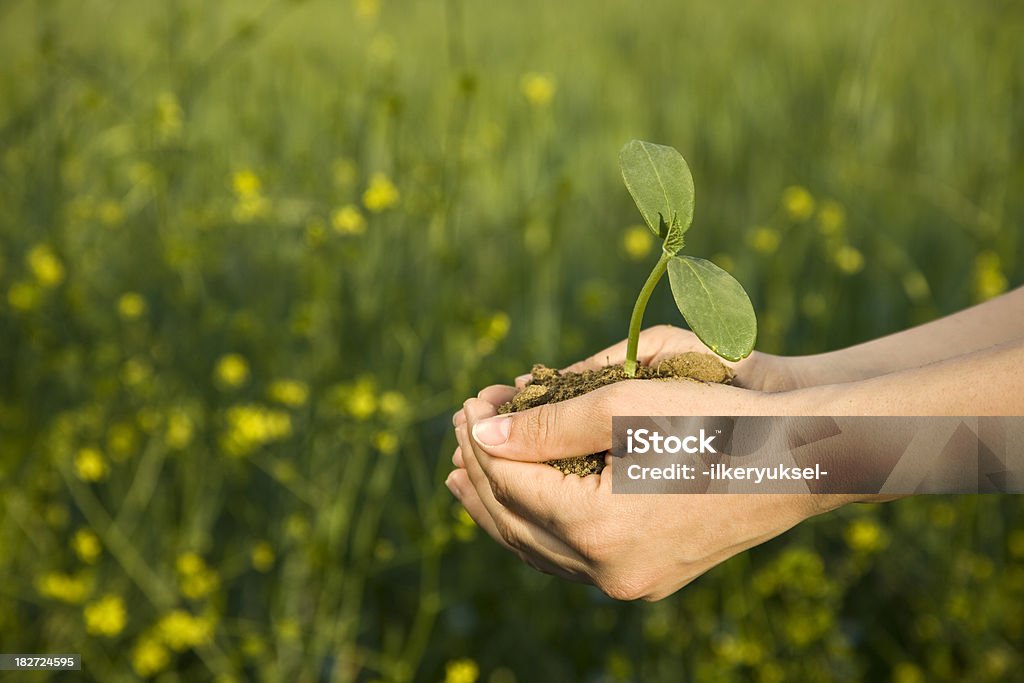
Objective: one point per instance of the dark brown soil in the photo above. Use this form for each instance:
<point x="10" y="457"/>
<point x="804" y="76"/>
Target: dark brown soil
<point x="551" y="386"/>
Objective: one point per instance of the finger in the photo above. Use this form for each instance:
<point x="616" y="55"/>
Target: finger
<point x="457" y="458"/>
<point x="523" y="380"/>
<point x="529" y="540"/>
<point x="459" y="418"/>
<point x="497" y="394"/>
<point x="460" y="486"/>
<point x="578" y="426"/>
<point x="538" y="493"/>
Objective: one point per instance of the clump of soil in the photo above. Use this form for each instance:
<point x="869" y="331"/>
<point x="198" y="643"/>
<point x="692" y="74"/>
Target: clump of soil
<point x="548" y="385"/>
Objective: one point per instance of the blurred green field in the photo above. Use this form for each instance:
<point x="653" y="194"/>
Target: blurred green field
<point x="254" y="255"/>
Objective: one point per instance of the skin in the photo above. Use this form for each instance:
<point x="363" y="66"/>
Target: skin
<point x="648" y="547"/>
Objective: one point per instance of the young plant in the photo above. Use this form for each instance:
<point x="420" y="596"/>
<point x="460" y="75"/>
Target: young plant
<point x="714" y="304"/>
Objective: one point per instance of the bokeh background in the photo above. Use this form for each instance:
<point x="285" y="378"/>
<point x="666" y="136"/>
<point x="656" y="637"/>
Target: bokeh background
<point x="254" y="254"/>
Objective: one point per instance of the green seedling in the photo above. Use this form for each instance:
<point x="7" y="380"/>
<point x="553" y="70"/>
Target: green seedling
<point x="713" y="303"/>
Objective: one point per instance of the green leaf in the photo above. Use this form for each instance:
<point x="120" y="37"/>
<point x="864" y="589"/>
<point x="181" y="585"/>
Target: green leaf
<point x="661" y="185"/>
<point x="715" y="306"/>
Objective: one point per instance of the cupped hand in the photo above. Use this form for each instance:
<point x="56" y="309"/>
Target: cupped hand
<point x="629" y="546"/>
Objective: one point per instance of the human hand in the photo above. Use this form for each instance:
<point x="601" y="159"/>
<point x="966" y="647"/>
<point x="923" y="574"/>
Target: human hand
<point x="645" y="546"/>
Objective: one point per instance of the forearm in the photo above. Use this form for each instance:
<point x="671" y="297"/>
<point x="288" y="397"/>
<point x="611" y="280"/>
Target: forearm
<point x="985" y="382"/>
<point x="992" y="323"/>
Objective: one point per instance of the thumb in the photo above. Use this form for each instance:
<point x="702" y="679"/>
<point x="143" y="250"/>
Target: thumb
<point x="579" y="426"/>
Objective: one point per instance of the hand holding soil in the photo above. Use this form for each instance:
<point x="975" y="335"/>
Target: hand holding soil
<point x="631" y="547"/>
<point x="650" y="546"/>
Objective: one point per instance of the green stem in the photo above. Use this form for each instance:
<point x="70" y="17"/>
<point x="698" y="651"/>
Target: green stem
<point x="637" y="318"/>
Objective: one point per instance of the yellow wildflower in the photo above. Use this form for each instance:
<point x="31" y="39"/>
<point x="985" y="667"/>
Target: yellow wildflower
<point x="135" y="371"/>
<point x="637" y="242"/>
<point x="179" y="429"/>
<point x="131" y="306"/>
<point x="181" y="630"/>
<point x="765" y="240"/>
<point x="289" y="392"/>
<point x="497" y="326"/>
<point x="251" y="426"/>
<point x="360" y="400"/>
<point x="262" y="556"/>
<point x="195" y="578"/>
<point x="798" y="203"/>
<point x="393" y="404"/>
<point x="831" y="218"/>
<point x="865" y="535"/>
<point x="288" y="629"/>
<point x="296" y="527"/>
<point x="538" y="89"/>
<point x="23" y="296"/>
<point x="381" y="194"/>
<point x="86" y="545"/>
<point x="199" y="585"/>
<point x="465" y="527"/>
<point x="386" y="442"/>
<point x="915" y="284"/>
<point x="246" y="183"/>
<point x="849" y="260"/>
<point x="122" y="440"/>
<point x="989" y="280"/>
<point x="149" y="657"/>
<point x="232" y="370"/>
<point x="106" y="616"/>
<point x="250" y="203"/>
<point x="492" y="330"/>
<point x="907" y="672"/>
<point x="367" y="10"/>
<point x="253" y="646"/>
<point x="110" y="212"/>
<point x="45" y="265"/>
<point x="249" y="209"/>
<point x="63" y="587"/>
<point x="461" y="671"/>
<point x="189" y="564"/>
<point x="90" y="465"/>
<point x="347" y="220"/>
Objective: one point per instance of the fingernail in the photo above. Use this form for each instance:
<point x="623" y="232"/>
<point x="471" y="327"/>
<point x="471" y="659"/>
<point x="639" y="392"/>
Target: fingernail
<point x="451" y="486"/>
<point x="493" y="431"/>
<point x="457" y="458"/>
